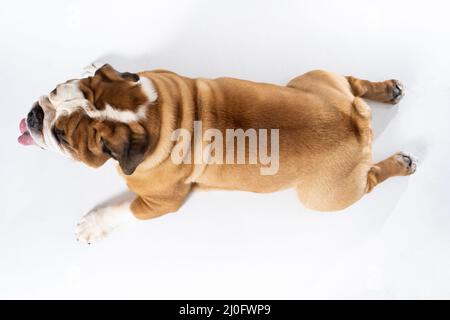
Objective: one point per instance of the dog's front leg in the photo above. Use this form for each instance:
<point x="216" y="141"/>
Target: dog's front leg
<point x="99" y="222"/>
<point x="165" y="198"/>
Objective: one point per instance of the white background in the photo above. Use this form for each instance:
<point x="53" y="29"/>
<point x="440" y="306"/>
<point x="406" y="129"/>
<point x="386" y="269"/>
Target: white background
<point x="394" y="243"/>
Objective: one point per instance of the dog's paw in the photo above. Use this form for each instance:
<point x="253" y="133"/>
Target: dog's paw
<point x="98" y="223"/>
<point x="408" y="161"/>
<point x="89" y="71"/>
<point x="92" y="228"/>
<point x="397" y="91"/>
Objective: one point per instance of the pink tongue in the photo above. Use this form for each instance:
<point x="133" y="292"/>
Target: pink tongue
<point x="25" y="139"/>
<point x="23" y="126"/>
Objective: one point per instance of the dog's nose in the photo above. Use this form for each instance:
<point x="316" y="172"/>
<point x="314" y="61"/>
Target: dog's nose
<point x="35" y="118"/>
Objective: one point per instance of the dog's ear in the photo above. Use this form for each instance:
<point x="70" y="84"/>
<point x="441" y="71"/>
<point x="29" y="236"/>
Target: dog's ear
<point x="108" y="73"/>
<point x="127" y="143"/>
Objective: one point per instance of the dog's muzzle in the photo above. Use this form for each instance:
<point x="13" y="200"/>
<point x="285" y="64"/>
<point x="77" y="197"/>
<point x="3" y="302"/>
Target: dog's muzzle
<point x="34" y="123"/>
<point x="35" y="119"/>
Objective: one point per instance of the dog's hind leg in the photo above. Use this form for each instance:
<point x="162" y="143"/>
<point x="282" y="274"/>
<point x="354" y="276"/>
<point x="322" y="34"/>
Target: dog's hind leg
<point x="389" y="91"/>
<point x="325" y="193"/>
<point x="399" y="164"/>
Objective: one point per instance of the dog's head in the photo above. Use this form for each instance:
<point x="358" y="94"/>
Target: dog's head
<point x="94" y="119"/>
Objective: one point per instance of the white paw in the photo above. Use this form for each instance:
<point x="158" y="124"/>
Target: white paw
<point x="89" y="71"/>
<point x="91" y="227"/>
<point x="409" y="161"/>
<point x="98" y="223"/>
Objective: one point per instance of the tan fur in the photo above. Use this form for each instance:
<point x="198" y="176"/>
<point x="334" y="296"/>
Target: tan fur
<point x="325" y="140"/>
<point x="324" y="133"/>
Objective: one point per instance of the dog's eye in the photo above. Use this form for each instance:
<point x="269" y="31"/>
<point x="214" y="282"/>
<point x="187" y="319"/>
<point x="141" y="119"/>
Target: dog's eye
<point x="59" y="135"/>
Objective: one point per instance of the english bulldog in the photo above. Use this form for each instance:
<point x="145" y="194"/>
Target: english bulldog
<point x="320" y="121"/>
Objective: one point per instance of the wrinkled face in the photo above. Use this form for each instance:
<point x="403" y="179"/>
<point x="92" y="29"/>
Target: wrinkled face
<point x="93" y="119"/>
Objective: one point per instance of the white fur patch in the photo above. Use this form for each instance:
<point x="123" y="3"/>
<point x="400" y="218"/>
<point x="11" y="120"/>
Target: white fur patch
<point x="126" y="116"/>
<point x="111" y="113"/>
<point x="69" y="98"/>
<point x="98" y="223"/>
<point x="89" y="71"/>
<point x="148" y="88"/>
